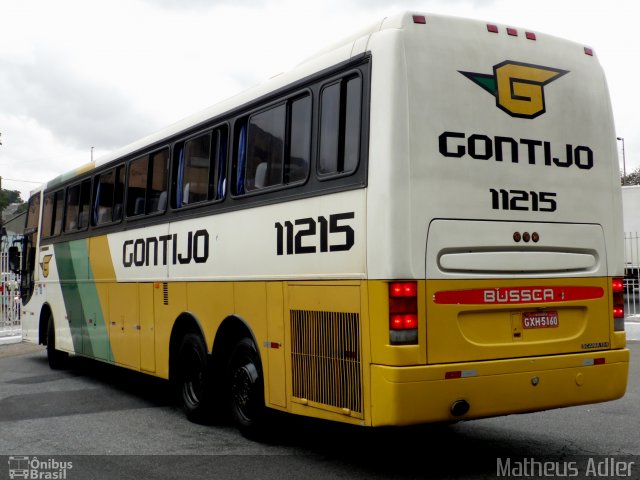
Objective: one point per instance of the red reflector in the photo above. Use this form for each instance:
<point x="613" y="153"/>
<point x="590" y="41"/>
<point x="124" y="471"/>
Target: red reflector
<point x="419" y="19"/>
<point x="588" y="51"/>
<point x="450" y="375"/>
<point x="492" y="28"/>
<point x="530" y="35"/>
<point x="403" y="289"/>
<point x="512" y="31"/>
<point x="598" y="361"/>
<point x="617" y="284"/>
<point x="403" y="321"/>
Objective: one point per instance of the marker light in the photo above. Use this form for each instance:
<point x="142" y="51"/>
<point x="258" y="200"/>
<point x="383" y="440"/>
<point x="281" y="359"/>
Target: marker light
<point x="588" y="51"/>
<point x="530" y="35"/>
<point x="492" y="28"/>
<point x="512" y="32"/>
<point x="403" y="313"/>
<point x="420" y="19"/>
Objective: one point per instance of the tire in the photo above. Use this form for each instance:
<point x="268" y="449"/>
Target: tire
<point x="246" y="389"/>
<point x="195" y="380"/>
<point x="56" y="358"/>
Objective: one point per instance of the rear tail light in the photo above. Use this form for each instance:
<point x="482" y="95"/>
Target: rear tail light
<point x="617" y="286"/>
<point x="403" y="313"/>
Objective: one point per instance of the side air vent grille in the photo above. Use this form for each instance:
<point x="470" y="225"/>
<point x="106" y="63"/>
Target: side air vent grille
<point x="325" y="356"/>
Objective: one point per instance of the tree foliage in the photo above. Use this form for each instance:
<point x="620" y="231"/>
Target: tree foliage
<point x="7" y="197"/>
<point x="632" y="178"/>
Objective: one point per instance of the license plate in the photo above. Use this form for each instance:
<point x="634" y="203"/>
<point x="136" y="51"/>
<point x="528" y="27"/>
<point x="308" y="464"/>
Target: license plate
<point x="548" y="319"/>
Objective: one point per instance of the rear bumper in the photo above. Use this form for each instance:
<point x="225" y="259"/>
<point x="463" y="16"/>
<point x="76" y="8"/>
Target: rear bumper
<point x="413" y="395"/>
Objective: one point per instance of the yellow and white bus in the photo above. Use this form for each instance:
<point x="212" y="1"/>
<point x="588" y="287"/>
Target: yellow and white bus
<point x="422" y="223"/>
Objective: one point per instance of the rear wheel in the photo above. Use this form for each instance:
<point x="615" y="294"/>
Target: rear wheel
<point x="57" y="359"/>
<point x="246" y="388"/>
<point x="195" y="379"/>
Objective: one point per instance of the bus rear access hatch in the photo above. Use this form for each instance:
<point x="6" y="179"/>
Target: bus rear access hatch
<point x="527" y="289"/>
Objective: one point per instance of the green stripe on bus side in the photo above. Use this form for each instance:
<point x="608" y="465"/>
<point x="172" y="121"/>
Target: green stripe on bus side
<point x="88" y="327"/>
<point x="69" y="175"/>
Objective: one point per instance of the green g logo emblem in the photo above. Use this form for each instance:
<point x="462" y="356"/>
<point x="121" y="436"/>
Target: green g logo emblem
<point x="518" y="87"/>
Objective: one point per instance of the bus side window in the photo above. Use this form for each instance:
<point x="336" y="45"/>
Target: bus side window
<point x="218" y="183"/>
<point x="241" y="152"/>
<point x="158" y="173"/>
<point x="58" y="212"/>
<point x="85" y="201"/>
<point x="72" y="208"/>
<point x="118" y="195"/>
<point x="103" y="198"/>
<point x="195" y="170"/>
<point x="47" y="215"/>
<point x="274" y="146"/>
<point x="76" y="215"/>
<point x="340" y="112"/>
<point x="265" y="148"/>
<point x="298" y="159"/>
<point x="137" y="186"/>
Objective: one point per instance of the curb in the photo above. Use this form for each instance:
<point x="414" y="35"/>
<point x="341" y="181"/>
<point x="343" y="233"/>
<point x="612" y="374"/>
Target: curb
<point x="10" y="339"/>
<point x="632" y="329"/>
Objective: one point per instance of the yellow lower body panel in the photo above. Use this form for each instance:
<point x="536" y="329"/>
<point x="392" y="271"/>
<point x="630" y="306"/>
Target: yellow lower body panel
<point x="414" y="395"/>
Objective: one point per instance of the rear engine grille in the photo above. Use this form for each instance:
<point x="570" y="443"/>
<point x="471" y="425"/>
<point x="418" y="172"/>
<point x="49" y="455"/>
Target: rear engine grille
<point x="325" y="357"/>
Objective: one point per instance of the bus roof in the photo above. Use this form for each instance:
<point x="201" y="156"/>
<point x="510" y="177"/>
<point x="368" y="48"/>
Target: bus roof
<point x="343" y="50"/>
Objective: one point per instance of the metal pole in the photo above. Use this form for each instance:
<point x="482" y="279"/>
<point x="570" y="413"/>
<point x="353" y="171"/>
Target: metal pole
<point x="624" y="163"/>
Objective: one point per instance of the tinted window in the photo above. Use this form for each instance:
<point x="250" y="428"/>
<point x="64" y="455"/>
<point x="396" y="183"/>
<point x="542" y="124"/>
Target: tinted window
<point x="265" y="151"/>
<point x="47" y="214"/>
<point x="300" y="141"/>
<point x="73" y="207"/>
<point x="157" y="194"/>
<point x="273" y="146"/>
<point x="53" y="213"/>
<point x="196" y="168"/>
<point x="108" y="197"/>
<point x="33" y="215"/>
<point x="137" y="186"/>
<point x="340" y="113"/>
<point x="84" y="206"/>
<point x="147" y="184"/>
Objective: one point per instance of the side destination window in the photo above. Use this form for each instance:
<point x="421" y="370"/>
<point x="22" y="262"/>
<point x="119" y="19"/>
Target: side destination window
<point x="340" y="118"/>
<point x="147" y="184"/>
<point x="108" y="197"/>
<point x="273" y="146"/>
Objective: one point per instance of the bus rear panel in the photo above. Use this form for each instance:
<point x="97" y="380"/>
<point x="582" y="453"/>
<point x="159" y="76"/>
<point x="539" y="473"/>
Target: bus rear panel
<point x="499" y="222"/>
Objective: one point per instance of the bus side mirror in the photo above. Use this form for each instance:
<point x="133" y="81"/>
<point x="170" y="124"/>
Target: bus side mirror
<point x="14" y="259"/>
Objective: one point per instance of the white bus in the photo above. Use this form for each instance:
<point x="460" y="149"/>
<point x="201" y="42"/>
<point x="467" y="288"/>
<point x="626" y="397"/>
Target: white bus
<point x="421" y="223"/>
